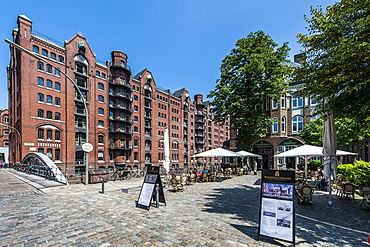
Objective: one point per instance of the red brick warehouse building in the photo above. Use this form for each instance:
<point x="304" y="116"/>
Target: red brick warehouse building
<point x="127" y="113"/>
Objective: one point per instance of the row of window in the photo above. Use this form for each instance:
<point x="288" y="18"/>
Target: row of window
<point x="297" y="124"/>
<point x="49" y="153"/>
<point x="48" y="84"/>
<point x="49" y="114"/>
<point x="49" y="134"/>
<point x="49" y="99"/>
<point x="48" y="68"/>
<point x="97" y="74"/>
<point x="45" y="53"/>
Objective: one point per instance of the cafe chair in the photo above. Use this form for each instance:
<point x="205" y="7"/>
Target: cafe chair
<point x="304" y="195"/>
<point x="348" y="192"/>
<point x="365" y="194"/>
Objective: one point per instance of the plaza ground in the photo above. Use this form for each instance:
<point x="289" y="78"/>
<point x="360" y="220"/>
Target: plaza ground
<point x="204" y="214"/>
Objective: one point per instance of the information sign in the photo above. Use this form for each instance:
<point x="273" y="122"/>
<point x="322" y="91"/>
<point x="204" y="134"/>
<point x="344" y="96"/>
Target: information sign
<point x="277" y="214"/>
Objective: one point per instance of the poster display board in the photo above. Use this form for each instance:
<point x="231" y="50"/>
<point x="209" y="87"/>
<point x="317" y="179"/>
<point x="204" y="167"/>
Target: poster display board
<point x="277" y="214"/>
<point x="148" y="189"/>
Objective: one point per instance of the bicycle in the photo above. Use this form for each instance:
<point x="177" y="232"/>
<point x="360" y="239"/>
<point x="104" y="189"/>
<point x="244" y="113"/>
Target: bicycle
<point x="136" y="173"/>
<point x="119" y="174"/>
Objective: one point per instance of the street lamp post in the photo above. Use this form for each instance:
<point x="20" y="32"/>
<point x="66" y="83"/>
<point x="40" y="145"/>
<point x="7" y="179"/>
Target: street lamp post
<point x="20" y="137"/>
<point x="76" y="87"/>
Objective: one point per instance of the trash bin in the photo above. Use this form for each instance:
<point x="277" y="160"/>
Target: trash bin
<point x="95" y="176"/>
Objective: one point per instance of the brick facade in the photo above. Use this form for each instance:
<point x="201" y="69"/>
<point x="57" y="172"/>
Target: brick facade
<point x="127" y="113"/>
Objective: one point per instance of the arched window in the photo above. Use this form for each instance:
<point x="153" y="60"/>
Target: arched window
<point x="297" y="124"/>
<point x="57" y="101"/>
<point x="40" y="134"/>
<point x="49" y="68"/>
<point x="35" y="49"/>
<point x="101" y="139"/>
<point x="40" y="97"/>
<point x="40" y="113"/>
<point x="57" y="135"/>
<point x="49" y="84"/>
<point x="101" y="123"/>
<point x="136" y="156"/>
<point x="53" y="56"/>
<point x="100" y="111"/>
<point x="100" y="86"/>
<point x="60" y="59"/>
<point x="44" y="53"/>
<point x="49" y="99"/>
<point x="101" y="98"/>
<point x="40" y="66"/>
<point x="57" y="116"/>
<point x="57" y="72"/>
<point x="136" y="142"/>
<point x="40" y="81"/>
<point x="49" y="134"/>
<point x="57" y="86"/>
<point x="49" y="115"/>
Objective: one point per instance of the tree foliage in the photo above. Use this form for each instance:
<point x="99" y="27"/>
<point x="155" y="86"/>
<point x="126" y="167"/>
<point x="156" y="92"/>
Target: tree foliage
<point x="349" y="132"/>
<point x="252" y="74"/>
<point x="336" y="71"/>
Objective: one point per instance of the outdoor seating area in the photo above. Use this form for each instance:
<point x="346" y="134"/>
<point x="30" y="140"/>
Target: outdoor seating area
<point x="177" y="181"/>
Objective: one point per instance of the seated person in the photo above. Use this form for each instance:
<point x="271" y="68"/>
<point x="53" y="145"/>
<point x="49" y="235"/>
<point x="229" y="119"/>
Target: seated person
<point x="322" y="183"/>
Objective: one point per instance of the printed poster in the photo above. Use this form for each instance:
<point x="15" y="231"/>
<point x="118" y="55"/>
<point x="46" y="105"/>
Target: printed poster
<point x="277" y="219"/>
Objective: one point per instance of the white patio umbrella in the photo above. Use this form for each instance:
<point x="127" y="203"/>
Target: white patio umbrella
<point x="308" y="151"/>
<point x="329" y="151"/>
<point x="248" y="154"/>
<point x="166" y="146"/>
<point x="218" y="152"/>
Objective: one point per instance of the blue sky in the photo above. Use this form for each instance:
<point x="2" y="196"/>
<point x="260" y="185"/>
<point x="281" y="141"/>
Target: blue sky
<point x="182" y="42"/>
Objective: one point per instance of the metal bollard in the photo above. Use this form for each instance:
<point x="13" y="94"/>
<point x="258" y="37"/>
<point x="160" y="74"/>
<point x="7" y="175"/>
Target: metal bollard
<point x="157" y="195"/>
<point x="102" y="185"/>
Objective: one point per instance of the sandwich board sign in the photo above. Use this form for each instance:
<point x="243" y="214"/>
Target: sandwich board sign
<point x="151" y="186"/>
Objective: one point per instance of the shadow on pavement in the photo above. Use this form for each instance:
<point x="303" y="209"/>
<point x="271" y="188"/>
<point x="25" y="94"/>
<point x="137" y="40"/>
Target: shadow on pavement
<point x="343" y="223"/>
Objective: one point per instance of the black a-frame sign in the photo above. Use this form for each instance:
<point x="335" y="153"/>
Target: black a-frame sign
<point x="151" y="186"/>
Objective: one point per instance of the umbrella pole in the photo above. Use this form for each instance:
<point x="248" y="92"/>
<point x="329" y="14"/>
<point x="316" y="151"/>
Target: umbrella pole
<point x="330" y="199"/>
<point x="305" y="169"/>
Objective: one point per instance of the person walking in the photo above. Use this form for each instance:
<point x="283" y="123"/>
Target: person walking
<point x="255" y="166"/>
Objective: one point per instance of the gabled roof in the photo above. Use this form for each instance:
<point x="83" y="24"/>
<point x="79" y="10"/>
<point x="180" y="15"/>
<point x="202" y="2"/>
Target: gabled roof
<point x="179" y="92"/>
<point x="25" y="17"/>
<point x="140" y="74"/>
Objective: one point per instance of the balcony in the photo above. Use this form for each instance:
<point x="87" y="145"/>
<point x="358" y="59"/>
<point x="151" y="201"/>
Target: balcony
<point x="119" y="119"/>
<point x="122" y="131"/>
<point x="121" y="147"/>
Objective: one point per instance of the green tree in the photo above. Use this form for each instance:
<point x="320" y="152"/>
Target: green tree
<point x="336" y="70"/>
<point x="349" y="132"/>
<point x="252" y="74"/>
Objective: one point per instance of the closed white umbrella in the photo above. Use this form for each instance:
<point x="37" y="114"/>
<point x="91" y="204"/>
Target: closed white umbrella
<point x="330" y="151"/>
<point x="166" y="146"/>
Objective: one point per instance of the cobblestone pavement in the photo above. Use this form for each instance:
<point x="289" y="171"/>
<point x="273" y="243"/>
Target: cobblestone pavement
<point x="204" y="214"/>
